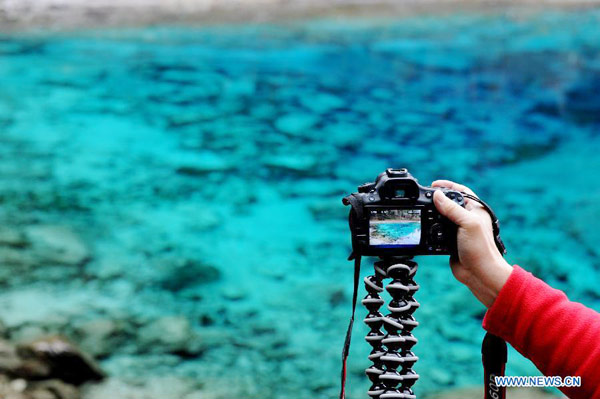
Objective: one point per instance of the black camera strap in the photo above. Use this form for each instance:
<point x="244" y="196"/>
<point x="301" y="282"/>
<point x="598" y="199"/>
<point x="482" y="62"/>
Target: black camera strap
<point x="357" y="259"/>
<point x="494" y="357"/>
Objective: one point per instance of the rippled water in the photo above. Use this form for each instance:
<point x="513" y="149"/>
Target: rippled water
<point x="203" y="169"/>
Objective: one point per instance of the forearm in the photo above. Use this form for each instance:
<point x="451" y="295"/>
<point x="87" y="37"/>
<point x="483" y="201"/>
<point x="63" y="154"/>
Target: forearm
<point x="557" y="335"/>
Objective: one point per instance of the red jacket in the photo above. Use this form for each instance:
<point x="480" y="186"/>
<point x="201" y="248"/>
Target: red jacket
<point x="560" y="337"/>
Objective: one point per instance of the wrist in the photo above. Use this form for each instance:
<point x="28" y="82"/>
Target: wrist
<point x="489" y="280"/>
<point x="499" y="274"/>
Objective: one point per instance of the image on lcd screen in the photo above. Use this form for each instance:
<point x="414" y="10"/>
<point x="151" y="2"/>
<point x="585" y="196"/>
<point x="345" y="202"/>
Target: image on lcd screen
<point x="395" y="228"/>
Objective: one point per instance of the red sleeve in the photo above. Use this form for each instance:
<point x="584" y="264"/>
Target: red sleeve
<point x="559" y="336"/>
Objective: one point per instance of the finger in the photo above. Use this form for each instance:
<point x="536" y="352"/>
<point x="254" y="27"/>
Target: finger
<point x="472" y="205"/>
<point x="469" y="205"/>
<point x="452" y="210"/>
<point x="453" y="186"/>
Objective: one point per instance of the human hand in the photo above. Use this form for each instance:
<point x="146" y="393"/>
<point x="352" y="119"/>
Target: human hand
<point x="479" y="264"/>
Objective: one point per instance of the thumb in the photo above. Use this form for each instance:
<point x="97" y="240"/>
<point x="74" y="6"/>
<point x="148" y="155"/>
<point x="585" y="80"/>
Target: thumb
<point x="451" y="209"/>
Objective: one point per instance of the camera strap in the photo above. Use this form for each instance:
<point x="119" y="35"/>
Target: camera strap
<point x="357" y="259"/>
<point x="494" y="357"/>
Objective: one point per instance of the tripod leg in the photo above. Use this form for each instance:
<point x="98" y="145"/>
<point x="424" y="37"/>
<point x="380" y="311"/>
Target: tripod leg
<point x="399" y="324"/>
<point x="374" y="320"/>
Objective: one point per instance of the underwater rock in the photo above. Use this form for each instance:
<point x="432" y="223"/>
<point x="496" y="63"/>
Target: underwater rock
<point x="321" y="102"/>
<point x="203" y="340"/>
<point x="336" y="297"/>
<point x="33" y="369"/>
<point x="11" y="389"/>
<point x="50" y="389"/>
<point x="441" y="376"/>
<point x="582" y="101"/>
<point x="463" y="353"/>
<point x="344" y="134"/>
<point x="167" y="334"/>
<point x="184" y="273"/>
<point x="240" y="86"/>
<point x="546" y="107"/>
<point x="212" y="337"/>
<point x="12" y="237"/>
<point x="580" y="224"/>
<point x="276" y="349"/>
<point x="28" y="368"/>
<point x="3" y="329"/>
<point x="203" y="163"/>
<point x="451" y="331"/>
<point x="157" y="387"/>
<point x="27" y="332"/>
<point x="9" y="360"/>
<point x="295" y="123"/>
<point x="57" y="244"/>
<point x="327" y="208"/>
<point x="16" y="257"/>
<point x="100" y="337"/>
<point x="56" y="357"/>
<point x="258" y="326"/>
<point x="233" y="293"/>
<point x="302" y="165"/>
<point x="315" y="187"/>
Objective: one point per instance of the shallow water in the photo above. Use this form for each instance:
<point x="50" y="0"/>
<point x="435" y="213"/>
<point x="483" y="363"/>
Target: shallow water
<point x="395" y="234"/>
<point x="203" y="169"/>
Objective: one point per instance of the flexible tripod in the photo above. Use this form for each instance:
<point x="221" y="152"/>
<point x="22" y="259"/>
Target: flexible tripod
<point x="392" y="350"/>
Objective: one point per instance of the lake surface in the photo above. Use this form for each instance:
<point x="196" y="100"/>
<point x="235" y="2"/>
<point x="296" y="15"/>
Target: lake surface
<point x="193" y="177"/>
<point x="392" y="234"/>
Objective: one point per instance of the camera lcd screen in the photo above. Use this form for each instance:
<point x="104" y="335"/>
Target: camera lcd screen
<point x="395" y="228"/>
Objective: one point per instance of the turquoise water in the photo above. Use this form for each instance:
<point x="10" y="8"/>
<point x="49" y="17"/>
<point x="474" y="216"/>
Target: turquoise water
<point x="175" y="192"/>
<point x="407" y="233"/>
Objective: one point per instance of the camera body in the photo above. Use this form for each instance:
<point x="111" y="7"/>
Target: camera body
<point x="396" y="216"/>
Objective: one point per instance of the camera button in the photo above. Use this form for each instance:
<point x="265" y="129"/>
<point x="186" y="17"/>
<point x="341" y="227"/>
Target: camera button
<point x="437" y="232"/>
<point x="428" y="194"/>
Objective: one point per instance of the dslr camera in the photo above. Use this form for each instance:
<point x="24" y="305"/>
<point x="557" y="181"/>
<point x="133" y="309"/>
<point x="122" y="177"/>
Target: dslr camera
<point x="395" y="216"/>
